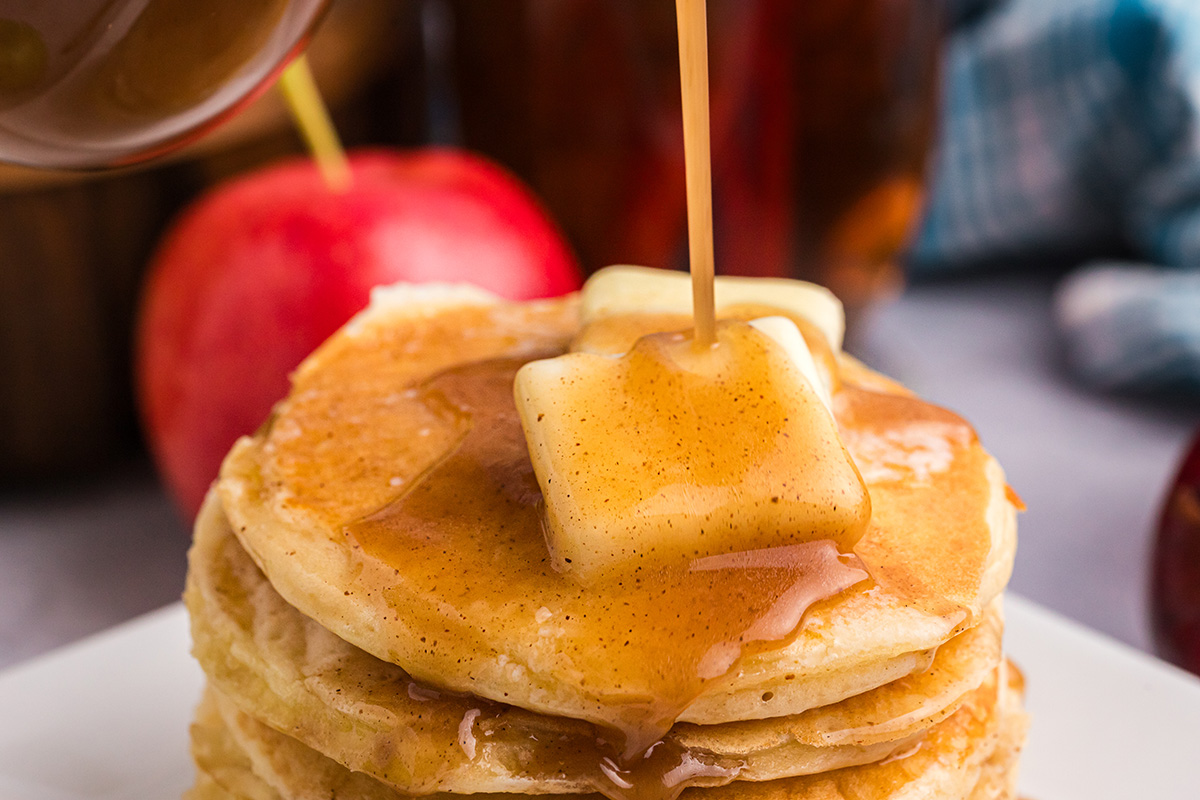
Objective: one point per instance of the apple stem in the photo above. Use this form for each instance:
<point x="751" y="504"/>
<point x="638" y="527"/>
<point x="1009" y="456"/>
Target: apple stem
<point x="315" y="126"/>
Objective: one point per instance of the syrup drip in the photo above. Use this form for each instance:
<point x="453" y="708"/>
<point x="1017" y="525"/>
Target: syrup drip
<point x="578" y="750"/>
<point x="657" y="636"/>
<point x="661" y="773"/>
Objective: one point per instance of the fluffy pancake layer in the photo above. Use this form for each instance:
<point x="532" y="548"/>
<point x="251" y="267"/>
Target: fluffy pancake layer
<point x="290" y="673"/>
<point x="970" y="755"/>
<point x="355" y="432"/>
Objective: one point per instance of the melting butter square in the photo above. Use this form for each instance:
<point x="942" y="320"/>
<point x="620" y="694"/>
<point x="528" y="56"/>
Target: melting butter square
<point x="672" y="452"/>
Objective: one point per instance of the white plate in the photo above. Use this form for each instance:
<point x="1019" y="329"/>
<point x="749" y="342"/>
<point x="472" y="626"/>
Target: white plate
<point x="108" y="717"/>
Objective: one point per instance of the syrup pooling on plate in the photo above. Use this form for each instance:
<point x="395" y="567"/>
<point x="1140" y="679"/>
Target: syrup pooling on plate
<point x="469" y="530"/>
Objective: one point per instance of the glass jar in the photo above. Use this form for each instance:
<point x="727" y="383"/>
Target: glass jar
<point x="93" y="83"/>
<point x="823" y="114"/>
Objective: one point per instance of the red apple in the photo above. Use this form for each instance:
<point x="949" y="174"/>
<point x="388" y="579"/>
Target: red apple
<point x="1175" y="588"/>
<point x="263" y="269"/>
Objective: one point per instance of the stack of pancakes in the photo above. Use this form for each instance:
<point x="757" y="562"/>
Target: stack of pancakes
<point x="378" y="618"/>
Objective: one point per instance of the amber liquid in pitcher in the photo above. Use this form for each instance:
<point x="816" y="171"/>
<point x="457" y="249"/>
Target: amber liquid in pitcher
<point x="91" y="83"/>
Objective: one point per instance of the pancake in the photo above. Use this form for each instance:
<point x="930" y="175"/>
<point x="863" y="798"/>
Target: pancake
<point x="290" y="673"/>
<point x="971" y="754"/>
<point x="223" y="769"/>
<point x="467" y="601"/>
<point x="998" y="778"/>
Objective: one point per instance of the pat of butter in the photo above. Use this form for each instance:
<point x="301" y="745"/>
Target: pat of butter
<point x="619" y="290"/>
<point x="785" y="333"/>
<point x="672" y="452"/>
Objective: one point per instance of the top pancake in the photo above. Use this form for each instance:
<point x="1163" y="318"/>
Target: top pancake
<point x="465" y="599"/>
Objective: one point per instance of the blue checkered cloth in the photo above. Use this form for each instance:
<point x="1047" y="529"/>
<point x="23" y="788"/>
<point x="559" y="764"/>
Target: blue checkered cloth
<point x="1071" y="134"/>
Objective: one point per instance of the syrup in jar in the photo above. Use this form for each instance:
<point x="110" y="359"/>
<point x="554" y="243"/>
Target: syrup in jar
<point x="94" y="83"/>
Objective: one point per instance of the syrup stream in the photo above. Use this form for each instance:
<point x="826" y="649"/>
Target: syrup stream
<point x="693" y="75"/>
<point x="314" y="123"/>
